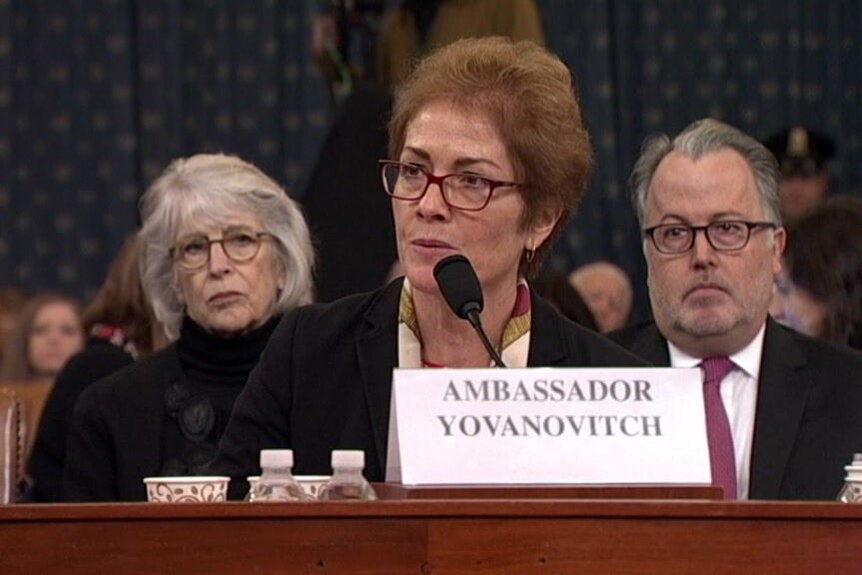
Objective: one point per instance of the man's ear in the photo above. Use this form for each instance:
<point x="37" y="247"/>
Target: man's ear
<point x="778" y="242"/>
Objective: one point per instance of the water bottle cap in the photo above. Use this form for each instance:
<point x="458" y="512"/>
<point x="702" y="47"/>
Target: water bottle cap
<point x="276" y="458"/>
<point x="351" y="458"/>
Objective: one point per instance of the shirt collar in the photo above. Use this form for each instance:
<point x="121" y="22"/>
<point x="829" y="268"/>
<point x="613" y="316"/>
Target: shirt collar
<point x="747" y="359"/>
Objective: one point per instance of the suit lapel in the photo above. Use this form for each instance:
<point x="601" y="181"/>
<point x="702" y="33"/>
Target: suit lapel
<point x="781" y="397"/>
<point x="547" y="344"/>
<point x="377" y="352"/>
<point x="650" y="345"/>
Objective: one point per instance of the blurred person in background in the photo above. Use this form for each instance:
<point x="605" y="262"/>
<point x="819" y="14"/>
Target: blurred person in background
<point x="354" y="42"/>
<point x="804" y="158"/>
<point x="344" y="35"/>
<point x="224" y="252"/>
<point x="120" y="328"/>
<point x="488" y="158"/>
<point x="555" y="288"/>
<point x="819" y="292"/>
<point x="607" y="291"/>
<point x="48" y="332"/>
<point x="417" y="27"/>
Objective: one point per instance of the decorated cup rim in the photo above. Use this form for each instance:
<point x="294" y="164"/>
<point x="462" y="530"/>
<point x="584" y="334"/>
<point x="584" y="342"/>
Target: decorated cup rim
<point x="188" y="479"/>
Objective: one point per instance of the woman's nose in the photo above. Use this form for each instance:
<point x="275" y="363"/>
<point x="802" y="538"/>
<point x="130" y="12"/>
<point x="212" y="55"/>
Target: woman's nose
<point x="432" y="204"/>
<point x="218" y="260"/>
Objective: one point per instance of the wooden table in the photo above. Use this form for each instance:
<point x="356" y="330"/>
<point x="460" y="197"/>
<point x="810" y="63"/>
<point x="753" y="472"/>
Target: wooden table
<point x="522" y="536"/>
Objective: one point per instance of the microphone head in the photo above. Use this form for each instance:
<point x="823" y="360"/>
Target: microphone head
<point x="459" y="285"/>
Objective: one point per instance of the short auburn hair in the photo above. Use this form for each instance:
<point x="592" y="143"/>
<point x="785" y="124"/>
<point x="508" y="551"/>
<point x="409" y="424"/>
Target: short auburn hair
<point x="528" y="94"/>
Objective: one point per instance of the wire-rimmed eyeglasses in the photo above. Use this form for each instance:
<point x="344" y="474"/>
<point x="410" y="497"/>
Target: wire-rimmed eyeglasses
<point x="239" y="246"/>
<point x="462" y="191"/>
<point x="723" y="235"/>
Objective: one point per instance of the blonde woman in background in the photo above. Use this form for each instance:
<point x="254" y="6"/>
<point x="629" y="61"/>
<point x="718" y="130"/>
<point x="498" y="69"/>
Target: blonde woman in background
<point x="49" y="331"/>
<point x="120" y="328"/>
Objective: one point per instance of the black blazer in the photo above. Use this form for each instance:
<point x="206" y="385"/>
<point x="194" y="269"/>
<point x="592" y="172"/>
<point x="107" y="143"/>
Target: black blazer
<point x="324" y="382"/>
<point x="808" y="423"/>
<point x="99" y="359"/>
<point x="116" y="433"/>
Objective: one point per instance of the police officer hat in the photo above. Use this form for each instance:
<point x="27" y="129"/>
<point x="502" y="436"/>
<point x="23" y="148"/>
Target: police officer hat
<point x="800" y="151"/>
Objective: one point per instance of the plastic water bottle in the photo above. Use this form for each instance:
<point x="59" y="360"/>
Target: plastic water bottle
<point x="347" y="481"/>
<point x="276" y="481"/>
<point x="852" y="490"/>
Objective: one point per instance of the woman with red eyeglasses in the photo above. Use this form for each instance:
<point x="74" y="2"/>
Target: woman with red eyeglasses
<point x="488" y="158"/>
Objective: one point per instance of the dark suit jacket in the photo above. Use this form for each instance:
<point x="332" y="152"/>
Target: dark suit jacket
<point x="99" y="359"/>
<point x="808" y="423"/>
<point x="116" y="433"/>
<point x="352" y="258"/>
<point x="324" y="382"/>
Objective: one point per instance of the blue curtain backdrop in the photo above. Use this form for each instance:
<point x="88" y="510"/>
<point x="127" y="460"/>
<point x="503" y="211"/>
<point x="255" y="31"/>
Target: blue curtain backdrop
<point x="97" y="96"/>
<point x="645" y="66"/>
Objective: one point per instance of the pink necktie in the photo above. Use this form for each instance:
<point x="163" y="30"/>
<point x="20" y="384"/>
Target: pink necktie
<point x="721" y="456"/>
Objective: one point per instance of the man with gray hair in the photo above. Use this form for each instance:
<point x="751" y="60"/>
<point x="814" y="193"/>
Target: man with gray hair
<point x="783" y="411"/>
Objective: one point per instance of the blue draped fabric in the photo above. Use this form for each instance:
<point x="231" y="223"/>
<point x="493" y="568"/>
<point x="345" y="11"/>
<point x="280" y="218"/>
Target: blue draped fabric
<point x="97" y="96"/>
<point x="645" y="66"/>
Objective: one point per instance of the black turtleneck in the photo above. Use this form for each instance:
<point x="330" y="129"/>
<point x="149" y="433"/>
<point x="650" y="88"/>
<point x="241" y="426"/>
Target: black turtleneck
<point x="216" y="360"/>
<point x="198" y="406"/>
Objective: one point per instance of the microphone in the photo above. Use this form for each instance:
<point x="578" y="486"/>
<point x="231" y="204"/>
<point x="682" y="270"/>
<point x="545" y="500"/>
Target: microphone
<point x="460" y="288"/>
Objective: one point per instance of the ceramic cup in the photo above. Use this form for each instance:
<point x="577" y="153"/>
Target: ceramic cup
<point x="186" y="489"/>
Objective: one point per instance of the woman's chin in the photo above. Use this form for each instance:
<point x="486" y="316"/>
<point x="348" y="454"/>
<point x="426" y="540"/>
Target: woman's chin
<point x="422" y="280"/>
<point x="229" y="324"/>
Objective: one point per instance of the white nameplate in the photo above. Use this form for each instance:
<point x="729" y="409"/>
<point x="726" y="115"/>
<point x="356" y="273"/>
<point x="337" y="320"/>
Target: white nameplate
<point x="547" y="425"/>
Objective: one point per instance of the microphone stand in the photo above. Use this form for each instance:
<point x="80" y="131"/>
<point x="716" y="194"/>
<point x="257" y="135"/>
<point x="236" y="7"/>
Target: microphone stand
<point x="473" y="318"/>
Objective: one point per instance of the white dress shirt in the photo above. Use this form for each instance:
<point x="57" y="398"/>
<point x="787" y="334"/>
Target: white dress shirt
<point x="739" y="395"/>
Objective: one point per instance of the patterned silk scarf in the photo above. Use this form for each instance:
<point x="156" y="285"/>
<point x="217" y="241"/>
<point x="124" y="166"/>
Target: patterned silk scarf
<point x="116" y="336"/>
<point x="516" y="335"/>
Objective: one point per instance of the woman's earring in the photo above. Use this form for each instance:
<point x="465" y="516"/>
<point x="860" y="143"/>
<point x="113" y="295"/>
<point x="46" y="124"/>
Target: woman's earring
<point x="530" y="254"/>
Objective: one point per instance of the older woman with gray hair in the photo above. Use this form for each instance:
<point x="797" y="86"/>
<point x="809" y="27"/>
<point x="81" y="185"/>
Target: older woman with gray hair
<point x="224" y="252"/>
